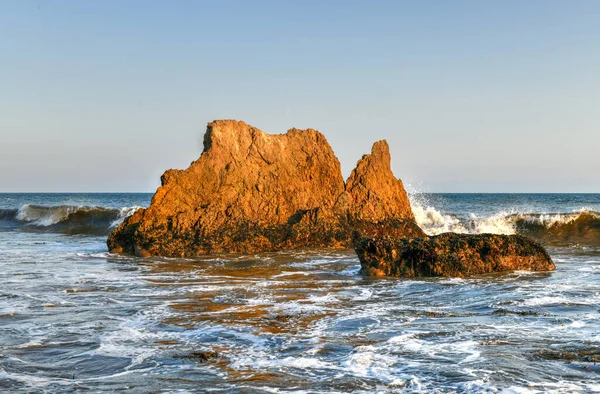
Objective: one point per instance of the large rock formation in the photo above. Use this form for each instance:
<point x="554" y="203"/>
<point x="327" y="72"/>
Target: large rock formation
<point x="250" y="191"/>
<point x="451" y="255"/>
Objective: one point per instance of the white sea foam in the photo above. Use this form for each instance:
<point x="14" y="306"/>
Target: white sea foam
<point x="304" y="362"/>
<point x="407" y="342"/>
<point x="500" y="223"/>
<point x="370" y="361"/>
<point x="578" y="324"/>
<point x="45" y="216"/>
<point x="518" y="390"/>
<point x="124" y="213"/>
<point x="545" y="300"/>
<point x="365" y="294"/>
<point x="476" y="386"/>
<point x="296" y="273"/>
<point x="323" y="299"/>
<point x="351" y="271"/>
<point x="435" y="222"/>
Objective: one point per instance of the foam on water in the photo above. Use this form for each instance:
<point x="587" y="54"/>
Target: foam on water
<point x="124" y="212"/>
<point x="407" y="342"/>
<point x="577" y="228"/>
<point x="294" y="322"/>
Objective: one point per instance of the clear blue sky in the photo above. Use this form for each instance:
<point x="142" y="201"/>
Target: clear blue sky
<point x="473" y="96"/>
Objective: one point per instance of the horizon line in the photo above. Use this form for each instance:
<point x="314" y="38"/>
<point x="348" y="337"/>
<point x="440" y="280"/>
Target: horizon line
<point x="153" y="192"/>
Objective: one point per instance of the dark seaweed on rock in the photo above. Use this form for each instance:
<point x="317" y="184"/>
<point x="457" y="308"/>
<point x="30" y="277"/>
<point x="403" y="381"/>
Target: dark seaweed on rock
<point x="201" y="356"/>
<point x="450" y="255"/>
<point x="581" y="354"/>
<point x="504" y="312"/>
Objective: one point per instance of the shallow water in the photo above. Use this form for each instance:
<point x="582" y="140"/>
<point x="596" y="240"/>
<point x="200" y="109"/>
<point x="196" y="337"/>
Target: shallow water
<point x="75" y="318"/>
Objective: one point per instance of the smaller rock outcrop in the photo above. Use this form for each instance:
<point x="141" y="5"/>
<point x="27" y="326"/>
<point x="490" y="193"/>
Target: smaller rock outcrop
<point x="450" y="255"/>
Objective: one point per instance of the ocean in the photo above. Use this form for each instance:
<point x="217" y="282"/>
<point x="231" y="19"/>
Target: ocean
<point x="75" y="318"/>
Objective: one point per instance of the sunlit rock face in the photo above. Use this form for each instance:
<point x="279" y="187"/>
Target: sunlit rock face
<point x="250" y="192"/>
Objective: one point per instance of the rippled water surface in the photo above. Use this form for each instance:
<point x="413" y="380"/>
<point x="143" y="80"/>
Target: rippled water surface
<point x="75" y="318"/>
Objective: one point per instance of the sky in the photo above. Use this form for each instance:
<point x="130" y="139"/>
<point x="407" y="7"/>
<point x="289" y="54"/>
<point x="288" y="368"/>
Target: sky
<point x="472" y="96"/>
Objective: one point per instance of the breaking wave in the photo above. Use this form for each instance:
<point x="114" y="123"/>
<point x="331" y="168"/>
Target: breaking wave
<point x="66" y="219"/>
<point x="580" y="227"/>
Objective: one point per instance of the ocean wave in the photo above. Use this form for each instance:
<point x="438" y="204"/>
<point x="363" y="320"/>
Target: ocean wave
<point x="581" y="227"/>
<point x="66" y="219"/>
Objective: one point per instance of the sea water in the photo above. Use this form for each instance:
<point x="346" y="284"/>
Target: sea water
<point x="75" y="318"/>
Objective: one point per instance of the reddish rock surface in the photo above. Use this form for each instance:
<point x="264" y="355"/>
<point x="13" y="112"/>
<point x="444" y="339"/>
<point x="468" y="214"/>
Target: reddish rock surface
<point x="451" y="255"/>
<point x="250" y="191"/>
